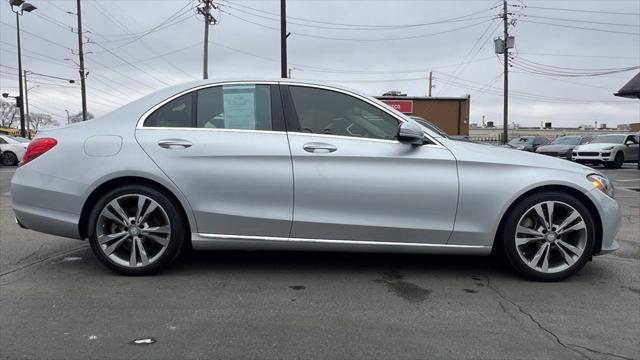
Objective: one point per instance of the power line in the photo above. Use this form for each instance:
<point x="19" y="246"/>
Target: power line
<point x="377" y="39"/>
<point x="123" y="26"/>
<point x="273" y="17"/>
<point x="170" y="21"/>
<point x="132" y="65"/>
<point x="462" y="65"/>
<point x="581" y="55"/>
<point x="555" y="71"/>
<point x="581" y="27"/>
<point x="381" y="27"/>
<point x="583" y="21"/>
<point x="583" y="11"/>
<point x="36" y="36"/>
<point x="625" y="68"/>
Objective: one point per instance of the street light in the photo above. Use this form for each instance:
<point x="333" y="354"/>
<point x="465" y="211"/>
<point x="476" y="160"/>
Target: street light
<point x="19" y="7"/>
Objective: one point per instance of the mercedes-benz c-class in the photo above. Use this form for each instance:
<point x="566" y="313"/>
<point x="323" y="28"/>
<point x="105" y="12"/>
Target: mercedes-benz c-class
<point x="291" y="165"/>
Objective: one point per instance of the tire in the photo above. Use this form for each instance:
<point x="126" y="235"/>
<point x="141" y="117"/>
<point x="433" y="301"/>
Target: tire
<point x="9" y="159"/>
<point x="155" y="234"/>
<point x="565" y="251"/>
<point x="617" y="162"/>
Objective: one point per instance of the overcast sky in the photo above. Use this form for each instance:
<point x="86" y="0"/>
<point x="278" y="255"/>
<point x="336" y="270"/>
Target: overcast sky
<point x="136" y="47"/>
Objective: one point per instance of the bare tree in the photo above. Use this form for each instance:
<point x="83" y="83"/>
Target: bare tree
<point x="38" y="120"/>
<point x="8" y="114"/>
<point x="78" y="117"/>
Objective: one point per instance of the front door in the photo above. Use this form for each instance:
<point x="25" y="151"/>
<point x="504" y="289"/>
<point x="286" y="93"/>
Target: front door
<point x="354" y="181"/>
<point x="226" y="149"/>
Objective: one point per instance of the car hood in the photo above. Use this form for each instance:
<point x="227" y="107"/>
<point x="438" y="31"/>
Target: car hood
<point x="555" y="148"/>
<point x="472" y="152"/>
<point x="595" y="147"/>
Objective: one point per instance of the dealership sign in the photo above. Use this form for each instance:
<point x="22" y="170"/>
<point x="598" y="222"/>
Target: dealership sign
<point x="404" y="106"/>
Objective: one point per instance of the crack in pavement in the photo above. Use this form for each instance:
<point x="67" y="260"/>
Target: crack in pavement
<point x="602" y="352"/>
<point x="567" y="346"/>
<point x="62" y="253"/>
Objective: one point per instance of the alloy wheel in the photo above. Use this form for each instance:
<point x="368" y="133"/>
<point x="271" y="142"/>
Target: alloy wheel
<point x="133" y="230"/>
<point x="551" y="236"/>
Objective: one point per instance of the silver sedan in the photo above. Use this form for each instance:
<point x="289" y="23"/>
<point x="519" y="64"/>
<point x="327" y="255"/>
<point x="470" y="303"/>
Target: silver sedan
<point x="297" y="166"/>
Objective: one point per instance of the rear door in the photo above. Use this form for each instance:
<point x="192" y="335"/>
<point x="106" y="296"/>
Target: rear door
<point x="226" y="149"/>
<point x="353" y="179"/>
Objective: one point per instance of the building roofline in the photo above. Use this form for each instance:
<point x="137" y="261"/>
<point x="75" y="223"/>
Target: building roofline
<point x="420" y="98"/>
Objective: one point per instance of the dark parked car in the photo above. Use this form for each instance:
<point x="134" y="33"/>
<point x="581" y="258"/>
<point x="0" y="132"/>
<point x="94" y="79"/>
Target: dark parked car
<point x="563" y="146"/>
<point x="528" y="143"/>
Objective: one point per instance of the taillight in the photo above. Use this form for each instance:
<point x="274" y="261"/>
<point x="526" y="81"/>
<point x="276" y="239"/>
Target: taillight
<point x="37" y="147"/>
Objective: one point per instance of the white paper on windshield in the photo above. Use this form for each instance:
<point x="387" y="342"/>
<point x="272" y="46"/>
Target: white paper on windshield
<point x="239" y="106"/>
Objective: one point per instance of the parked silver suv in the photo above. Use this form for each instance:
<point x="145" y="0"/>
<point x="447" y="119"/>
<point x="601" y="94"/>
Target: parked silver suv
<point x="611" y="150"/>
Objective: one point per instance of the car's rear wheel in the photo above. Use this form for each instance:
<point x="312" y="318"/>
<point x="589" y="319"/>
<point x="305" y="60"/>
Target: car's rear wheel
<point x="548" y="236"/>
<point x="8" y="158"/>
<point x="136" y="230"/>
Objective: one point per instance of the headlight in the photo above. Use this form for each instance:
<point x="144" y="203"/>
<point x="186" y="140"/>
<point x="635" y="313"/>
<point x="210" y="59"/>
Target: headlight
<point x="608" y="148"/>
<point x="602" y="183"/>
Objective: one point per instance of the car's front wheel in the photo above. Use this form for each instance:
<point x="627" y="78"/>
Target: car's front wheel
<point x="548" y="236"/>
<point x="136" y="230"/>
<point x="616" y="163"/>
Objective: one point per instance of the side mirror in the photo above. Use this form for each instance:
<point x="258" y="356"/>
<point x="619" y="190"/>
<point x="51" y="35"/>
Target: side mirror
<point x="629" y="142"/>
<point x="410" y="132"/>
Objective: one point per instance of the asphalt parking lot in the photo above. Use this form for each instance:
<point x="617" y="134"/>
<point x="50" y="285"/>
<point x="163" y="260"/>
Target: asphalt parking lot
<point x="58" y="302"/>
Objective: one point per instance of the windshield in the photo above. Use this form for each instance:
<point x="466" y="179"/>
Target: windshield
<point x="567" y="140"/>
<point x="19" y="139"/>
<point x="608" y="139"/>
<point x="521" y="141"/>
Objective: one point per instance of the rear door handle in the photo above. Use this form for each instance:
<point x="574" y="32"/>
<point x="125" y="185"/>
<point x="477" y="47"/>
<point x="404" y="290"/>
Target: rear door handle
<point x="174" y="143"/>
<point x="317" y="147"/>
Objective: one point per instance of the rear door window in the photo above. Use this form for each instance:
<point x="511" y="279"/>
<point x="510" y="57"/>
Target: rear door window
<point x="242" y="107"/>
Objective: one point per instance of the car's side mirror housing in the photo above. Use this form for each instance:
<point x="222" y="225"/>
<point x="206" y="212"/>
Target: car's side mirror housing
<point x="410" y="132"/>
<point x="629" y="142"/>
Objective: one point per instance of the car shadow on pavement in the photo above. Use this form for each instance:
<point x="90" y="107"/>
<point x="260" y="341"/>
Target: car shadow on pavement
<point x="335" y="262"/>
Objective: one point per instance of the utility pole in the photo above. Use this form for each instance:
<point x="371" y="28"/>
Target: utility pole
<point x="290" y="73"/>
<point x="283" y="38"/>
<point x="20" y="87"/>
<point x="505" y="111"/>
<point x="208" y="20"/>
<point x="83" y="87"/>
<point x="26" y="103"/>
<point x="430" y="81"/>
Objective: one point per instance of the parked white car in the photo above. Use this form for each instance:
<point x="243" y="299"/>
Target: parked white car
<point x="611" y="150"/>
<point x="12" y="148"/>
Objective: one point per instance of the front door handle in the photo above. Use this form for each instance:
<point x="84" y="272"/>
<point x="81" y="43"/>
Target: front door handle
<point x="174" y="143"/>
<point x="317" y="147"/>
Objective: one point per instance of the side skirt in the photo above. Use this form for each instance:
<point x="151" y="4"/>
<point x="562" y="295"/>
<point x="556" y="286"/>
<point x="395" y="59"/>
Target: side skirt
<point x="244" y="242"/>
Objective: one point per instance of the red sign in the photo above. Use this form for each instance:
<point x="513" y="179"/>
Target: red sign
<point x="404" y="106"/>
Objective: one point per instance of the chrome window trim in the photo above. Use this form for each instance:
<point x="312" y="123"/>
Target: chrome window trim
<point x="244" y="131"/>
<point x="356" y="138"/>
<point x="202" y="236"/>
<point x="359" y="97"/>
<point x="139" y="124"/>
